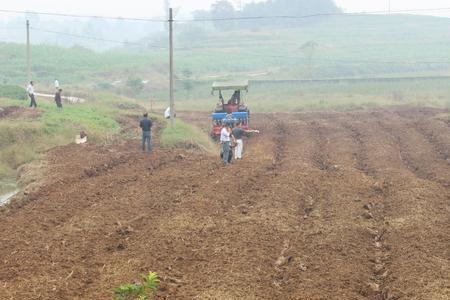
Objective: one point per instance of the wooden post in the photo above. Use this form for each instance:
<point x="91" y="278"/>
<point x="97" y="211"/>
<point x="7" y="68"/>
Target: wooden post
<point x="172" y="109"/>
<point x="28" y="53"/>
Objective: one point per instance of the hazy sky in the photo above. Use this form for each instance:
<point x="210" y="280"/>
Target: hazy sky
<point x="145" y="8"/>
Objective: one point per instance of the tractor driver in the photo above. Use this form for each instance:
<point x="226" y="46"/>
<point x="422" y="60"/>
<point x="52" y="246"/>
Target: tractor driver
<point x="235" y="98"/>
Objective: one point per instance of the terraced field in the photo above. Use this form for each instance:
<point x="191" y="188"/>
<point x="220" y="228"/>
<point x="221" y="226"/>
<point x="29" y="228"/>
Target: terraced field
<point x="338" y="205"/>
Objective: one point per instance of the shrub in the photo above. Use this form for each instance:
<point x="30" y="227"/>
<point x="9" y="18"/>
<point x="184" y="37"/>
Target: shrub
<point x="135" y="84"/>
<point x="13" y="92"/>
<point x="105" y="85"/>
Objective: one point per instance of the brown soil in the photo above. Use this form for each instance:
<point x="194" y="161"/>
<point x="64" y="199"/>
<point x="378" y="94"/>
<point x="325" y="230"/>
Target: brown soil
<point x="18" y="112"/>
<point x="351" y="205"/>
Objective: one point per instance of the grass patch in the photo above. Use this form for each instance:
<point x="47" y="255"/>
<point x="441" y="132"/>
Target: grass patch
<point x="23" y="139"/>
<point x="18" y="144"/>
<point x="185" y="135"/>
<point x="13" y="92"/>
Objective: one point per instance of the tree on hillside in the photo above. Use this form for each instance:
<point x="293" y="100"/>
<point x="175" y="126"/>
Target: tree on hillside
<point x="286" y="8"/>
<point x="187" y="81"/>
<point x="135" y="84"/>
<point x="203" y="15"/>
<point x="308" y="49"/>
<point x="223" y="9"/>
<point x="191" y="34"/>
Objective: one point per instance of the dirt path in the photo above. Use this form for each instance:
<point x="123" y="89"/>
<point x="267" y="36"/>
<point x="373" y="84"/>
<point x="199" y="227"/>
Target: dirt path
<point x="324" y="206"/>
<point x="69" y="99"/>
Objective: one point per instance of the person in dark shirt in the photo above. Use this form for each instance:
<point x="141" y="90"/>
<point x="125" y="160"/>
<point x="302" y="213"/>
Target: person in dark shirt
<point x="235" y="98"/>
<point x="146" y="126"/>
<point x="238" y="132"/>
<point x="58" y="98"/>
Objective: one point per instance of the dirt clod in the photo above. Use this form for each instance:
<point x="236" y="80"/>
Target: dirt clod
<point x="367" y="215"/>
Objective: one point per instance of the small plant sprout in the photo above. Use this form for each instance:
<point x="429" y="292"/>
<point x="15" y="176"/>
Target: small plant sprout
<point x="151" y="281"/>
<point x="140" y="291"/>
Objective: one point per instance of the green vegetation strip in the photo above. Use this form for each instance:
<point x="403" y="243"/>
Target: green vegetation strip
<point x="185" y="135"/>
<point x="13" y="92"/>
<point x="22" y="138"/>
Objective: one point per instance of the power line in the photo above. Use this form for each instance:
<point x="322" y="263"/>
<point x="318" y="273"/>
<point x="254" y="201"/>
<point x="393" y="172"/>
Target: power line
<point x="99" y="39"/>
<point x="11" y="28"/>
<point x="355" y="14"/>
<point x="230" y="18"/>
<point x="78" y="16"/>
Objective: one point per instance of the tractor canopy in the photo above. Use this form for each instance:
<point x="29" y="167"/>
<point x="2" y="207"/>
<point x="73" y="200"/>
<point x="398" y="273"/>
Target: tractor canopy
<point x="227" y="86"/>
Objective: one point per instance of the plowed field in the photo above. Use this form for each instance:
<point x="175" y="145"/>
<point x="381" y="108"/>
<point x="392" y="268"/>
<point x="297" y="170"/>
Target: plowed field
<point x="339" y="205"/>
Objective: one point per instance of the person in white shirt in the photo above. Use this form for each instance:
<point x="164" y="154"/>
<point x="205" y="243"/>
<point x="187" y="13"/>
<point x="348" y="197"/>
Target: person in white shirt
<point x="56" y="84"/>
<point x="167" y="113"/>
<point x="225" y="140"/>
<point x="30" y="91"/>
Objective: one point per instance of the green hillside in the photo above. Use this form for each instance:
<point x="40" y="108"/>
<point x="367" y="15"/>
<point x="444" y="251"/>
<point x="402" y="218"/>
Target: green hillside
<point x="331" y="47"/>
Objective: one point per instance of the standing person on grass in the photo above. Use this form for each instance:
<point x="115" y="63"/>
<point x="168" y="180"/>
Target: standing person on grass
<point x="30" y="91"/>
<point x="225" y="140"/>
<point x="146" y="126"/>
<point x="58" y="99"/>
<point x="238" y="132"/>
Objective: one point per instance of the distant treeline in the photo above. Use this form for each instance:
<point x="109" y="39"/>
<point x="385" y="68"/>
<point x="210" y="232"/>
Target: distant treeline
<point x="68" y="32"/>
<point x="224" y="9"/>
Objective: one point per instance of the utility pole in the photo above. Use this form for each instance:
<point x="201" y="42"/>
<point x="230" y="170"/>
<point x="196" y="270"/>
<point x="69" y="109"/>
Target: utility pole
<point x="28" y="52"/>
<point x="172" y="109"/>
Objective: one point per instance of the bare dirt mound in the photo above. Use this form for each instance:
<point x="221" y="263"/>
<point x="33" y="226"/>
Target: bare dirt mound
<point x="324" y="206"/>
<point x="17" y="112"/>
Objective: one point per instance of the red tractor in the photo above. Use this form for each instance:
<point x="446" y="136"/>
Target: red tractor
<point x="232" y="111"/>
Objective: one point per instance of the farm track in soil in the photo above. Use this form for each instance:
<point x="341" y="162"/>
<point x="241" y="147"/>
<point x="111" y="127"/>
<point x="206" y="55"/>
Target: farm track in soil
<point x="338" y="205"/>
